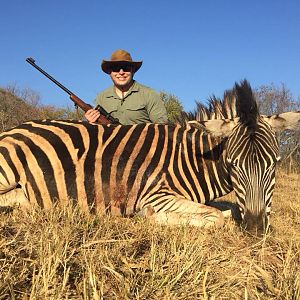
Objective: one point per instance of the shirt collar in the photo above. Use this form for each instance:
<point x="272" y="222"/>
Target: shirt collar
<point x="112" y="93"/>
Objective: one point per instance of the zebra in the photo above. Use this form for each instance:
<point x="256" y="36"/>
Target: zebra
<point x="167" y="173"/>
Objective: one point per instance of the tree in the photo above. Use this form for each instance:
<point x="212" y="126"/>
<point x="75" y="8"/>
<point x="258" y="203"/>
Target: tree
<point x="274" y="100"/>
<point x="20" y="105"/>
<point x="14" y="110"/>
<point x="173" y="106"/>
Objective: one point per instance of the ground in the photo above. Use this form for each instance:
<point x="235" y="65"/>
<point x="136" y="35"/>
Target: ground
<point x="65" y="254"/>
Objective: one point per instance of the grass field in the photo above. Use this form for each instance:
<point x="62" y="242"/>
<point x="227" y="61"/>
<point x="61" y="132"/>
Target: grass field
<point x="64" y="254"/>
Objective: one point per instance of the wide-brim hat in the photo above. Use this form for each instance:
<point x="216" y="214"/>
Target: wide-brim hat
<point x="117" y="57"/>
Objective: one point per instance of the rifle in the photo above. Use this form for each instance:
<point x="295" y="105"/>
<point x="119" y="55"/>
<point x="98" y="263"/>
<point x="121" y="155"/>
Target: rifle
<point x="105" y="118"/>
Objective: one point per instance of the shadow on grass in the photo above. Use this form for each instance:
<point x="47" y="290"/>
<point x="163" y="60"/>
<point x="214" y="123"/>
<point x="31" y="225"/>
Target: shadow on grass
<point x="226" y="205"/>
<point x="6" y="209"/>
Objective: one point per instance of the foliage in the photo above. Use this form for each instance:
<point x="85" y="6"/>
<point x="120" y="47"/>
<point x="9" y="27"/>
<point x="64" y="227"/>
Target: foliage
<point x="14" y="110"/>
<point x="173" y="106"/>
<point x="52" y="112"/>
<point x="20" y="105"/>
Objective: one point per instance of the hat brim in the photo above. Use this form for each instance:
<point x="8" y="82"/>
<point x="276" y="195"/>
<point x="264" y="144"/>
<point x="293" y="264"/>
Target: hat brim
<point x="106" y="65"/>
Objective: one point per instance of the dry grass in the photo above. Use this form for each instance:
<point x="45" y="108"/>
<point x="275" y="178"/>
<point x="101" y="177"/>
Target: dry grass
<point x="64" y="254"/>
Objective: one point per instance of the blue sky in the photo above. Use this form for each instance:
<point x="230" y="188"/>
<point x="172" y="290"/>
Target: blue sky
<point x="191" y="49"/>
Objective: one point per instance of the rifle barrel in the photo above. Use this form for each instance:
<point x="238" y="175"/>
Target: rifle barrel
<point x="32" y="62"/>
<point x="105" y="118"/>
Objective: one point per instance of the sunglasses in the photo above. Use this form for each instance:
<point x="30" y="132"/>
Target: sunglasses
<point x="117" y="68"/>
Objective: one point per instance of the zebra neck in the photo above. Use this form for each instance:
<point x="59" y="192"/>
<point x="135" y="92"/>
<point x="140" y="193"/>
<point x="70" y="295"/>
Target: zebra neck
<point x="211" y="166"/>
<point x="195" y="165"/>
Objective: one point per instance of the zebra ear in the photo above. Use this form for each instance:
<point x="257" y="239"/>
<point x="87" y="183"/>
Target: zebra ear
<point x="288" y="120"/>
<point x="217" y="127"/>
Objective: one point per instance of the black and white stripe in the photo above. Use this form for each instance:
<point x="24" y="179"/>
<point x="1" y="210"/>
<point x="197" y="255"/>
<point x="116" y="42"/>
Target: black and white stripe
<point x="172" y="170"/>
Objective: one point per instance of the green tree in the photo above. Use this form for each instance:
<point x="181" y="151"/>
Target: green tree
<point x="173" y="106"/>
<point x="53" y="112"/>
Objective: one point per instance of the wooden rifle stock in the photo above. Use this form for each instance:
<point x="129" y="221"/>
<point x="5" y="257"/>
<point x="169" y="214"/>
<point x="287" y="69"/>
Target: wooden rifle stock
<point x="105" y="118"/>
<point x="85" y="107"/>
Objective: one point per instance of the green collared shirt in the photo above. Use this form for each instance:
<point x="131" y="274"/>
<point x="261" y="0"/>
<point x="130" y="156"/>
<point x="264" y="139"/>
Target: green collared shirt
<point x="140" y="105"/>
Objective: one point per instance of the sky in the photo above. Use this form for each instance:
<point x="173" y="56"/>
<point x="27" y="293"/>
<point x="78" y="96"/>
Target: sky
<point x="190" y="49"/>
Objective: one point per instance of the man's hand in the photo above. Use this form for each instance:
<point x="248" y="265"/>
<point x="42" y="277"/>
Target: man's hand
<point x="92" y="115"/>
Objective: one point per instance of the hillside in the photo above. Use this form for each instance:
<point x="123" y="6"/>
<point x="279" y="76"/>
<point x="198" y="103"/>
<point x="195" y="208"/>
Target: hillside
<point x="14" y="110"/>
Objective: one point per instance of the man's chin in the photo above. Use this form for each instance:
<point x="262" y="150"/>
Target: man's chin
<point x="122" y="83"/>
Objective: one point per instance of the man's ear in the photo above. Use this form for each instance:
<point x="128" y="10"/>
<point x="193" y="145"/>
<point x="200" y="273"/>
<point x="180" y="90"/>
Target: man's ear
<point x="222" y="127"/>
<point x="280" y="122"/>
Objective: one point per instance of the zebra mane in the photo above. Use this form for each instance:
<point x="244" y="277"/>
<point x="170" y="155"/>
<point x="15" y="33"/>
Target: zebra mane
<point x="215" y="109"/>
<point x="246" y="105"/>
<point x="237" y="102"/>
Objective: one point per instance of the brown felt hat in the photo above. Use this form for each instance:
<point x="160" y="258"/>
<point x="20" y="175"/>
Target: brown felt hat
<point x="117" y="57"/>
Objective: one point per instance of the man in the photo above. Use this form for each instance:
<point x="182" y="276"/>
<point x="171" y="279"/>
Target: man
<point x="128" y="100"/>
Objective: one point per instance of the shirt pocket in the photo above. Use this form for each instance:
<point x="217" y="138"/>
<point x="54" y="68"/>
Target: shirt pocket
<point x="110" y="107"/>
<point x="136" y="112"/>
<point x="135" y="106"/>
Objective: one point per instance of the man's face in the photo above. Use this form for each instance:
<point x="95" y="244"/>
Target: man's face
<point x="121" y="74"/>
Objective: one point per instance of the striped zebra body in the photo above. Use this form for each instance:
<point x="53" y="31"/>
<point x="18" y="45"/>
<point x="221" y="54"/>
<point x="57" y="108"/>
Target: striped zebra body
<point x="119" y="169"/>
<point x="165" y="172"/>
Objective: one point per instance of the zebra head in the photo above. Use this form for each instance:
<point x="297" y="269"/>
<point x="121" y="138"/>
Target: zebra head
<point x="251" y="152"/>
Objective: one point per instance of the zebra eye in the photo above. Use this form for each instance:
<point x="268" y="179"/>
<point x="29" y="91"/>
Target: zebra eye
<point x="278" y="158"/>
<point x="231" y="162"/>
<point x="234" y="164"/>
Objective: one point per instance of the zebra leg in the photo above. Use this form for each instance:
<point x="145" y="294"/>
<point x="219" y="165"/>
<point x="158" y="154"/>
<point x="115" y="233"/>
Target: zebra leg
<point x="185" y="212"/>
<point x="14" y="197"/>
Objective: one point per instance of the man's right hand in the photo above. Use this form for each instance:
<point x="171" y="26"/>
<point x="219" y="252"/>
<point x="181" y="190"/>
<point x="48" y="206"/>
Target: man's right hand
<point x="92" y="115"/>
